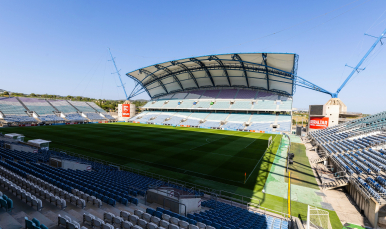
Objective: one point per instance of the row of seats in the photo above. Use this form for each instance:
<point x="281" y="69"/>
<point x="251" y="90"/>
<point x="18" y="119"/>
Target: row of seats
<point x="12" y="107"/>
<point x="5" y="202"/>
<point x="220" y="104"/>
<point x="212" y="120"/>
<point x="100" y="110"/>
<point x="33" y="224"/>
<point x="130" y="184"/>
<point x="223" y="215"/>
<point x="68" y="223"/>
<point x="14" y="111"/>
<point x="161" y="218"/>
<point x="225" y="94"/>
<point x="15" y="187"/>
<point x="18" y="155"/>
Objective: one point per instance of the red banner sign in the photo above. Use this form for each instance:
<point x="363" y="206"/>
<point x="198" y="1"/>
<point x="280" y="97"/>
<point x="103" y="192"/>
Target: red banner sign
<point x="318" y="123"/>
<point x="125" y="110"/>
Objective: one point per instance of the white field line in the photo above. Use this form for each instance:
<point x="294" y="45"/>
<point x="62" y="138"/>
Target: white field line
<point x="207" y="142"/>
<point x="250" y="143"/>
<point x="260" y="159"/>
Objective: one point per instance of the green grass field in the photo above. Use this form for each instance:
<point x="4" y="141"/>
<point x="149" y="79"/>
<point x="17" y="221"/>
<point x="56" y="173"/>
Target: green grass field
<point x="224" y="156"/>
<point x="301" y="170"/>
<point x="215" y="159"/>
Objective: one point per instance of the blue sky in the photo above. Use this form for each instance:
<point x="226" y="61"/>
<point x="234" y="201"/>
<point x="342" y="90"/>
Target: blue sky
<point x="60" y="47"/>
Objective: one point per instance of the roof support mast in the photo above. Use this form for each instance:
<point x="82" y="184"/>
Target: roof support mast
<point x="119" y="75"/>
<point x="356" y="68"/>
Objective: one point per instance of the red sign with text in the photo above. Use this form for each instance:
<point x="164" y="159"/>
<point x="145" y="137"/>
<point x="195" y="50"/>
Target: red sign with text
<point x="318" y="123"/>
<point x="125" y="110"/>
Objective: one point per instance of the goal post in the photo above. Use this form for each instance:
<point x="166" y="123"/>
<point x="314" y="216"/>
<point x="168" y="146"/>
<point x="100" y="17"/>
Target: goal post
<point x="269" y="141"/>
<point x="318" y="218"/>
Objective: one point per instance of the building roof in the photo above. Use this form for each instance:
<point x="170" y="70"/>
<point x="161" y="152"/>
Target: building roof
<point x="274" y="72"/>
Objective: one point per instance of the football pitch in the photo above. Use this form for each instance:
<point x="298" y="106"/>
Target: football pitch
<point x="228" y="157"/>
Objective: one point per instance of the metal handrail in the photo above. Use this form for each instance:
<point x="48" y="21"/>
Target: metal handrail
<point x="175" y="202"/>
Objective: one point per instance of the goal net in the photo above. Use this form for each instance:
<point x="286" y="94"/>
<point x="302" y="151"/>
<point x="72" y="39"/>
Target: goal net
<point x="318" y="218"/>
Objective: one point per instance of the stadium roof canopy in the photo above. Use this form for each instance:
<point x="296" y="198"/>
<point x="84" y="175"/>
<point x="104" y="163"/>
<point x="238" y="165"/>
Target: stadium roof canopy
<point x="274" y="72"/>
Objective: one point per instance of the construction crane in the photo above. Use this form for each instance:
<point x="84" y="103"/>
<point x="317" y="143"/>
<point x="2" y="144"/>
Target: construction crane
<point x="117" y="72"/>
<point x="304" y="83"/>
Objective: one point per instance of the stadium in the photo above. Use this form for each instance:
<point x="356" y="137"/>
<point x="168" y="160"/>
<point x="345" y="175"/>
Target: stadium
<point x="216" y="146"/>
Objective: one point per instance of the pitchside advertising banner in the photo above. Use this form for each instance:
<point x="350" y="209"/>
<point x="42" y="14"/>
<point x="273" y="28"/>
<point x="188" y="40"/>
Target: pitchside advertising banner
<point x="125" y="110"/>
<point x="318" y="123"/>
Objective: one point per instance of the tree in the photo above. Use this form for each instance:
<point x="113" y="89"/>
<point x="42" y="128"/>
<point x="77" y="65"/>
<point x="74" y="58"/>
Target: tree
<point x="32" y="95"/>
<point x="6" y="93"/>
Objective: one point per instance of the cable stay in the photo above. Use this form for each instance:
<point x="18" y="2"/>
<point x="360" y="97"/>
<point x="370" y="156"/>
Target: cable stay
<point x="307" y="84"/>
<point x="357" y="67"/>
<point x="117" y="72"/>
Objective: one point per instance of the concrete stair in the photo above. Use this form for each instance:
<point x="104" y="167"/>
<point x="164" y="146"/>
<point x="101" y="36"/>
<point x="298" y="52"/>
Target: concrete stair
<point x="319" y="160"/>
<point x="340" y="182"/>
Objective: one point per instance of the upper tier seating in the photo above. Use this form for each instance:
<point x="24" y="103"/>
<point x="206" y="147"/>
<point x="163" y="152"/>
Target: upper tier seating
<point x="246" y="94"/>
<point x="227" y="94"/>
<point x="100" y="110"/>
<point x="11" y="106"/>
<point x="285" y="105"/>
<point x="221" y="99"/>
<point x="194" y="94"/>
<point x="157" y="104"/>
<point x="262" y="95"/>
<point x="180" y="95"/>
<point x="265" y="105"/>
<point x="242" y="105"/>
<point x="14" y="111"/>
<point x="40" y="106"/>
<point x="186" y="104"/>
<point x="210" y="94"/>
<point x="203" y="104"/>
<point x="82" y="106"/>
<point x="171" y="104"/>
<point x="63" y="106"/>
<point x="221" y="105"/>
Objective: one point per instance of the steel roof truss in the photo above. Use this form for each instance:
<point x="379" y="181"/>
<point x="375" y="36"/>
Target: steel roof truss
<point x="203" y="66"/>
<point x="222" y="66"/>
<point x="266" y="68"/>
<point x="187" y="70"/>
<point x="238" y="58"/>
<point x="159" y="67"/>
<point x="154" y="77"/>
